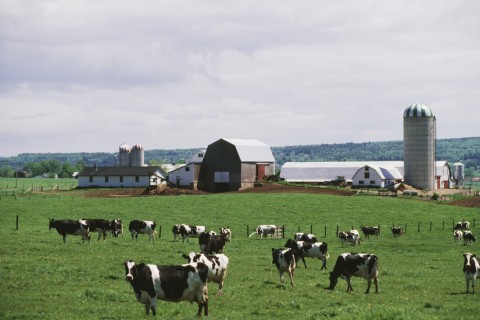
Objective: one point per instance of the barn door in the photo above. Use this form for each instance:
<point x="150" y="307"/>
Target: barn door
<point x="260" y="171"/>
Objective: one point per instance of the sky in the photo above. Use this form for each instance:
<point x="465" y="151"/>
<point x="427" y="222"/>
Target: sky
<point x="87" y="76"/>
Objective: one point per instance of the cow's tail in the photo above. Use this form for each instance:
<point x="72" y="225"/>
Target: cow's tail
<point x="252" y="234"/>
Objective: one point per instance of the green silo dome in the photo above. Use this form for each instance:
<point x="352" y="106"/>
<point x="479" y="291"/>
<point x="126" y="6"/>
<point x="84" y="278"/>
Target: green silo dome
<point x="418" y="110"/>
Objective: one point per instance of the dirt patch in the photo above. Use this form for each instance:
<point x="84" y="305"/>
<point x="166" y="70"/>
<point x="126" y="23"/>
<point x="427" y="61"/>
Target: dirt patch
<point x="282" y="188"/>
<point x="467" y="202"/>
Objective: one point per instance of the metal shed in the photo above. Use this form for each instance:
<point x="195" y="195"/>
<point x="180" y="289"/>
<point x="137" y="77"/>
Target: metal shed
<point x="233" y="164"/>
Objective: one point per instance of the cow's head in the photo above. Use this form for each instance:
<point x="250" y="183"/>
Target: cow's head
<point x="290" y="244"/>
<point x="468" y="261"/>
<point x="192" y="257"/>
<point x="51" y="223"/>
<point x="130" y="270"/>
<point x="333" y="281"/>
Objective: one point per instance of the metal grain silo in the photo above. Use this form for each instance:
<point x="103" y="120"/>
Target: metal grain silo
<point x="458" y="173"/>
<point x="137" y="156"/>
<point x="419" y="134"/>
<point x="124" y="155"/>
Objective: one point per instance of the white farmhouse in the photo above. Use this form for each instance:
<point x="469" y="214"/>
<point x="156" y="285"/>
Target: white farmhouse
<point x="187" y="176"/>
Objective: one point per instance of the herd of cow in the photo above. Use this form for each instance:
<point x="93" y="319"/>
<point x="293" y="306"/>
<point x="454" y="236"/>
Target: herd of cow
<point x="188" y="282"/>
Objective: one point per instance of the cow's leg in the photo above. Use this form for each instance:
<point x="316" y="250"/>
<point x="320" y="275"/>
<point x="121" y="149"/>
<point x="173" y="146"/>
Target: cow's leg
<point x="467" y="281"/>
<point x="304" y="263"/>
<point x="375" y="281"/>
<point x="99" y="235"/>
<point x="290" y="273"/>
<point x="324" y="263"/>
<point x="369" y="283"/>
<point x="349" y="284"/>
<point x="64" y="237"/>
<point x="153" y="305"/>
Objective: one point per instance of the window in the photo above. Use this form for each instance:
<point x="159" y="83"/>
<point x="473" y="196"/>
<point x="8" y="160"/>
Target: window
<point x="367" y="169"/>
<point x="90" y="179"/>
<point x="121" y="178"/>
<point x="372" y="181"/>
<point x="106" y="178"/>
<point x="200" y="155"/>
<point x="360" y="182"/>
<point x="367" y="175"/>
<point x="137" y="179"/>
<point x="187" y="168"/>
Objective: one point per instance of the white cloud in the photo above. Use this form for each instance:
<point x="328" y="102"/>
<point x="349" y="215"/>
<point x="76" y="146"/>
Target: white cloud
<point x="82" y="75"/>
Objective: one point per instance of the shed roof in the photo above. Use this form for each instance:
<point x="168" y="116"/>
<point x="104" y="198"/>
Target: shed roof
<point x="122" y="171"/>
<point x="251" y="150"/>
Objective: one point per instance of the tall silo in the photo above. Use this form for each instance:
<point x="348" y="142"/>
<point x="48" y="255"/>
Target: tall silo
<point x="458" y="173"/>
<point x="137" y="156"/>
<point x="124" y="155"/>
<point x="419" y="134"/>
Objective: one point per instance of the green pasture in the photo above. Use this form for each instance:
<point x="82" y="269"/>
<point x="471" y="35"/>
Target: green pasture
<point x="420" y="273"/>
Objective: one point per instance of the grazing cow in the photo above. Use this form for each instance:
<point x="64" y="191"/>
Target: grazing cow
<point x="217" y="266"/>
<point x="144" y="227"/>
<point x="457" y="235"/>
<point x="117" y="227"/>
<point x="302" y="249"/>
<point x="215" y="244"/>
<point x="358" y="265"/>
<point x="99" y="225"/>
<point x="471" y="268"/>
<point x="468" y="237"/>
<point x="308" y="237"/>
<point x="203" y="240"/>
<point x="264" y="230"/>
<point x="170" y="283"/>
<point x="176" y="232"/>
<point x="187" y="231"/>
<point x="227" y="233"/>
<point x="462" y="225"/>
<point x="397" y="231"/>
<point x="285" y="261"/>
<point x="351" y="236"/>
<point x="370" y="231"/>
<point x="72" y="227"/>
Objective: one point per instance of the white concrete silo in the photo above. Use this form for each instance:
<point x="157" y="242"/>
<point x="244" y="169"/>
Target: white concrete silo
<point x="419" y="135"/>
<point x="124" y="155"/>
<point x="458" y="173"/>
<point x="137" y="156"/>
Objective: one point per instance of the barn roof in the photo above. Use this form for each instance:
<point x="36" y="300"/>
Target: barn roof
<point x="251" y="150"/>
<point x="385" y="171"/>
<point x="122" y="171"/>
<point x="327" y="171"/>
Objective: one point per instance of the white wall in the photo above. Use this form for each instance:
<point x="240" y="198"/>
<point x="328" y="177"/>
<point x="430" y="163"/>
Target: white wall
<point x="114" y="181"/>
<point x="186" y="177"/>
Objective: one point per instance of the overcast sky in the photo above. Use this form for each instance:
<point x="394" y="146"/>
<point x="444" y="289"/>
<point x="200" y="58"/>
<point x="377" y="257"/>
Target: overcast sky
<point x="86" y="76"/>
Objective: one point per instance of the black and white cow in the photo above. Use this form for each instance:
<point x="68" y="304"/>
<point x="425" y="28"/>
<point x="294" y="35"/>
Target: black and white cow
<point x="215" y="244"/>
<point x="471" y="268"/>
<point x="187" y="231"/>
<point x="170" y="283"/>
<point x="285" y="261"/>
<point x="457" y="235"/>
<point x="144" y="227"/>
<point x="217" y="266"/>
<point x="351" y="236"/>
<point x="462" y="225"/>
<point x="302" y="249"/>
<point x="227" y="233"/>
<point x="117" y="227"/>
<point x="101" y="226"/>
<point x="370" y="231"/>
<point x="357" y="265"/>
<point x="264" y="230"/>
<point x="71" y="227"/>
<point x="397" y="231"/>
<point x="176" y="232"/>
<point x="308" y="237"/>
<point x="468" y="237"/>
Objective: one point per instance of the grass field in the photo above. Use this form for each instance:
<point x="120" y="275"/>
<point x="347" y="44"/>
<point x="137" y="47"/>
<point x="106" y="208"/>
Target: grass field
<point x="420" y="273"/>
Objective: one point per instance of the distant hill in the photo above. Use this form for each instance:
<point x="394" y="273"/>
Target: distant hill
<point x="467" y="150"/>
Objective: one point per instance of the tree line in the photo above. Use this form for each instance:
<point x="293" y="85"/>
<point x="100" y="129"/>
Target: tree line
<point x="465" y="150"/>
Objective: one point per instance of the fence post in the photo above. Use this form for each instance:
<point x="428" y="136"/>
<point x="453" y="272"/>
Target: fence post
<point x="405" y="227"/>
<point x="419" y="227"/>
<point x="443" y="227"/>
<point x="325" y="231"/>
<point x="336" y="233"/>
<point x="430" y="226"/>
<point x="311" y="228"/>
<point x="17" y="222"/>
<point x="159" y="232"/>
<point x="248" y="233"/>
<point x="298" y="228"/>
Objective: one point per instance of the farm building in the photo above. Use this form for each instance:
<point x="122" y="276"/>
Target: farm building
<point x="120" y="177"/>
<point x="376" y="176"/>
<point x="325" y="172"/>
<point x="233" y="164"/>
<point x="187" y="176"/>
